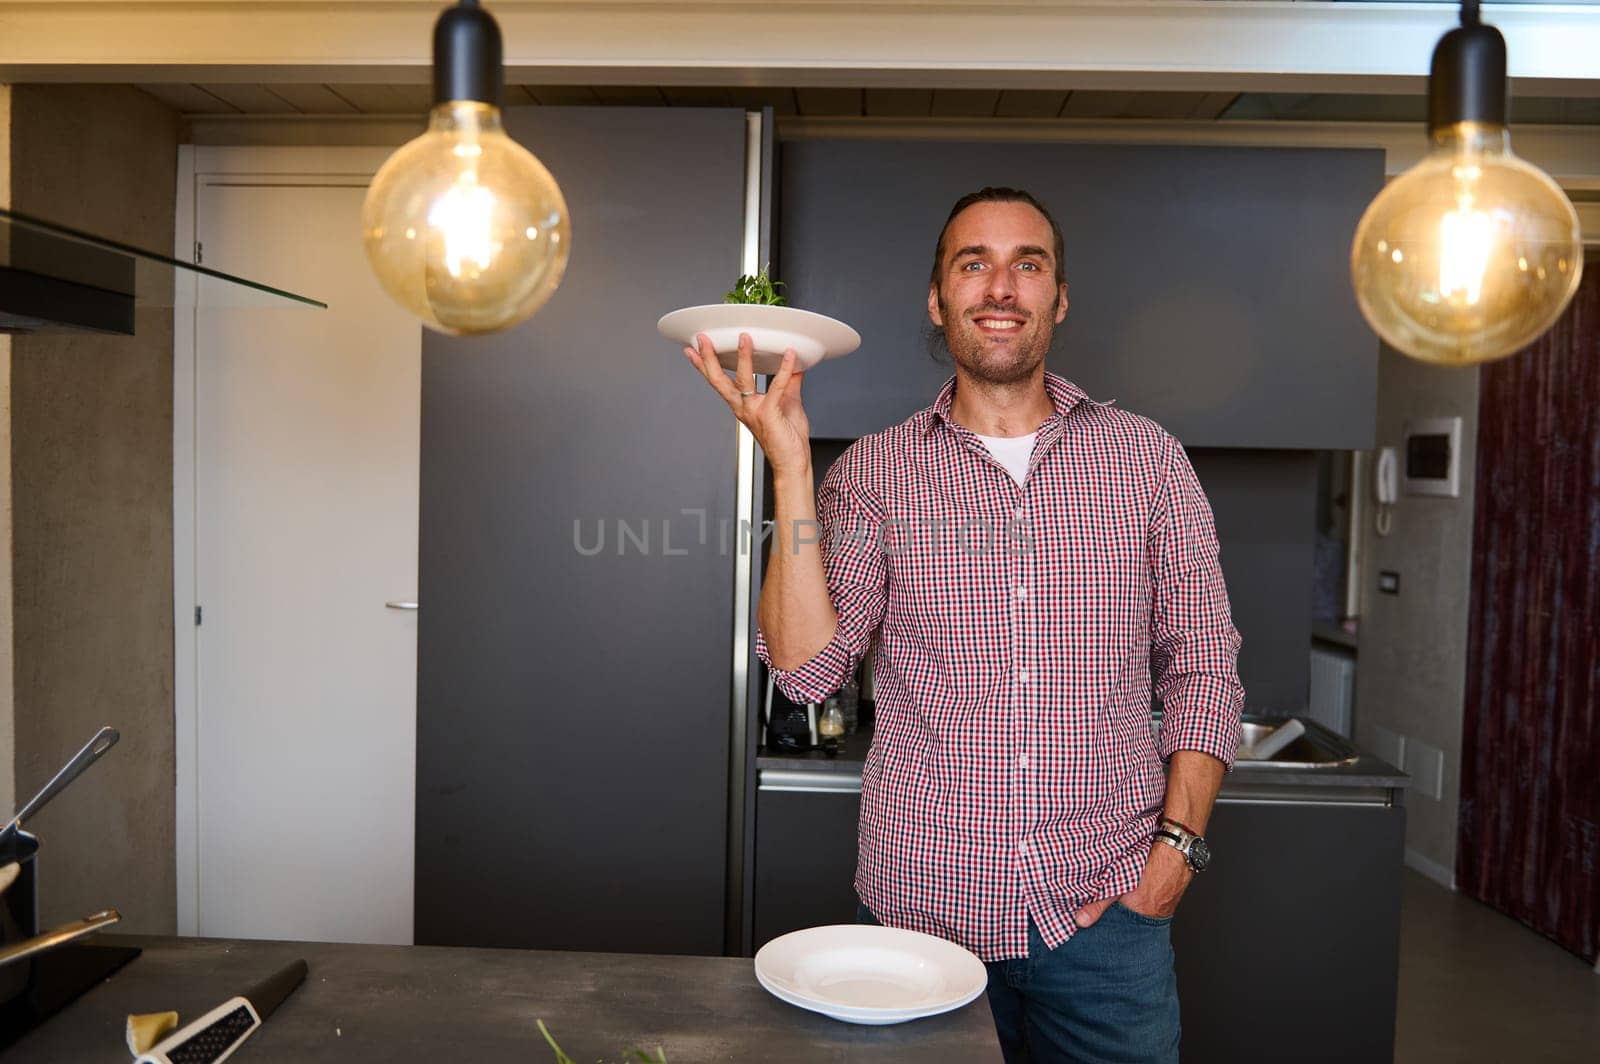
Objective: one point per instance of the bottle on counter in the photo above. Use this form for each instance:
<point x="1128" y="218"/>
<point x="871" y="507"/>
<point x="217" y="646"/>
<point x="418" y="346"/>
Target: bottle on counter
<point x="849" y="698"/>
<point x="830" y="725"/>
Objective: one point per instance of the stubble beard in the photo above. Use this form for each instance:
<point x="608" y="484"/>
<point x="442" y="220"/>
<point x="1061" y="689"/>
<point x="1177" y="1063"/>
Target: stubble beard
<point x="997" y="366"/>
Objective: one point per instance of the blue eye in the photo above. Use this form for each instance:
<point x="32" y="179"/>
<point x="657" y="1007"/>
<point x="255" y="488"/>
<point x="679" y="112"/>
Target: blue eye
<point x="1030" y="266"/>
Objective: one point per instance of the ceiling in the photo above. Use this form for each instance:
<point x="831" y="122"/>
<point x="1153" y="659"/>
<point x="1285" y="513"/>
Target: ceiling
<point x="415" y="99"/>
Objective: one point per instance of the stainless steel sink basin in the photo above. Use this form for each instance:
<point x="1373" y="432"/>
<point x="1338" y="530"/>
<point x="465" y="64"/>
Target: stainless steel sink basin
<point x="1317" y="749"/>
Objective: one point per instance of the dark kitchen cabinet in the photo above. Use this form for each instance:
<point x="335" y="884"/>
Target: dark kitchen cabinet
<point x="1288" y="946"/>
<point x="574" y="643"/>
<point x="1208" y="287"/>
<point x="805" y="864"/>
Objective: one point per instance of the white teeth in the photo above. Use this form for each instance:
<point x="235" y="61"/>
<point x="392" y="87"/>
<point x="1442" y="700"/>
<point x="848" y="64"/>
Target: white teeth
<point x="993" y="324"/>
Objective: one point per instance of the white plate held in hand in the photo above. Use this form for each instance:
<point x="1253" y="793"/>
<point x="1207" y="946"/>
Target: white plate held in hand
<point x="862" y="973"/>
<point x="772" y="330"/>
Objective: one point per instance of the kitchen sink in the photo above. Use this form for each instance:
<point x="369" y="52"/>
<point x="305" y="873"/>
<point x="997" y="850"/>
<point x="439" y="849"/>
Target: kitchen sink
<point x="1318" y="749"/>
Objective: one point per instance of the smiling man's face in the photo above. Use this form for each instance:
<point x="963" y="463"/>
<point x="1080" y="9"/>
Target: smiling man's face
<point x="997" y="298"/>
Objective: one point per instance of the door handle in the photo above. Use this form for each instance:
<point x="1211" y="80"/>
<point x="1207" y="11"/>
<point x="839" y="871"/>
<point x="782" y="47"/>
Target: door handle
<point x="401" y="605"/>
<point x="813" y="782"/>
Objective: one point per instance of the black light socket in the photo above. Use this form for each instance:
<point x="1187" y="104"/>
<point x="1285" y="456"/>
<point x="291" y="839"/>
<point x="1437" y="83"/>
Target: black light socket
<point x="467" y="56"/>
<point x="1467" y="82"/>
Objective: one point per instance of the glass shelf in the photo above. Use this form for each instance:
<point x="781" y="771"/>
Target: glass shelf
<point x="70" y="280"/>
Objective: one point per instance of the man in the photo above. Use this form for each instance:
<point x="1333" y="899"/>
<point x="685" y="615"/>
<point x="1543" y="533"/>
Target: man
<point x="1025" y="556"/>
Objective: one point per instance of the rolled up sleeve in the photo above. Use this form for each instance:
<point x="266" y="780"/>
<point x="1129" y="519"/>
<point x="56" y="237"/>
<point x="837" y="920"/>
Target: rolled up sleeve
<point x="853" y="565"/>
<point x="1194" y="647"/>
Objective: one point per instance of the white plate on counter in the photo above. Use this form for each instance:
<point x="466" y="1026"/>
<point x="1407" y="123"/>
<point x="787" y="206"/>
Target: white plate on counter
<point x="863" y="973"/>
<point x="772" y="330"/>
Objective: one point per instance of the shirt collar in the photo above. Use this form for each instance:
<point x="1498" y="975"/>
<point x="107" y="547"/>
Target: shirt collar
<point x="1064" y="396"/>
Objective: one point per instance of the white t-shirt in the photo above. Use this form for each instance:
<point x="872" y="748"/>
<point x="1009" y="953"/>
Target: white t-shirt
<point x="1013" y="452"/>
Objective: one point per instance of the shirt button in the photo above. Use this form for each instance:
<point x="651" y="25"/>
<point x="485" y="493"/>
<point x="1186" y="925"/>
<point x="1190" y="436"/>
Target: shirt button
<point x="1022" y="592"/>
<point x="1017" y="513"/>
<point x="1022" y="848"/>
<point x="1022" y="675"/>
<point x="1022" y="762"/>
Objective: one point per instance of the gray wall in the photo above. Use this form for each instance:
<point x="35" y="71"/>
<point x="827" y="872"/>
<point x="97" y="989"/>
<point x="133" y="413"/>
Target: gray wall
<point x="91" y="478"/>
<point x="1411" y="675"/>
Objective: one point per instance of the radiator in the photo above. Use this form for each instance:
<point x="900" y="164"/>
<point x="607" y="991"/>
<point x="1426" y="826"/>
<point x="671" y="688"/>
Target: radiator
<point x="1333" y="690"/>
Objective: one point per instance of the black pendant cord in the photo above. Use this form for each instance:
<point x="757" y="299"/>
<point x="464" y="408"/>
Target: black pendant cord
<point x="1469" y="12"/>
<point x="467" y="56"/>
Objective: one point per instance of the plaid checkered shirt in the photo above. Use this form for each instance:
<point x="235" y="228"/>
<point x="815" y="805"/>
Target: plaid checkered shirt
<point x="1013" y="771"/>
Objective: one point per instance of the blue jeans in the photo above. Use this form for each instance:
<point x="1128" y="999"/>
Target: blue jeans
<point x="1108" y="995"/>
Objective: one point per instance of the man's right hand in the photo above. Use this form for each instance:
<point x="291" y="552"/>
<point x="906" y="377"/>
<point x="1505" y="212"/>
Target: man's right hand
<point x="775" y="418"/>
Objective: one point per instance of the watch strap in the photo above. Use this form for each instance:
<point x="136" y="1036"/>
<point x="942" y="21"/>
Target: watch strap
<point x="1174" y="841"/>
<point x="1183" y="842"/>
<point x="1179" y="824"/>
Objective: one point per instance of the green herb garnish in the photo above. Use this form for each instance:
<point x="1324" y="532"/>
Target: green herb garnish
<point x="759" y="289"/>
<point x="632" y="1054"/>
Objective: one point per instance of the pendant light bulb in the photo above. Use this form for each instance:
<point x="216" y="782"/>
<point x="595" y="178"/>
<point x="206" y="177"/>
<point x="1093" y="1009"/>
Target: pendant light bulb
<point x="464" y="227"/>
<point x="1473" y="253"/>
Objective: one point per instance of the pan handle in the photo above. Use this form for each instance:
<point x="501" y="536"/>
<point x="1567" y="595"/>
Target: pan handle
<point x="59" y="936"/>
<point x="103" y="740"/>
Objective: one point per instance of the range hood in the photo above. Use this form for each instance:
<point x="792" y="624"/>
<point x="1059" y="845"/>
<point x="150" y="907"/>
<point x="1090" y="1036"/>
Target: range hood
<point x="57" y="279"/>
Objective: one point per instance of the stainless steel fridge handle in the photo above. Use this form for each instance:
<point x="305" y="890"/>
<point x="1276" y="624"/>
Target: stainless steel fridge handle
<point x="401" y="605"/>
<point x="803" y="782"/>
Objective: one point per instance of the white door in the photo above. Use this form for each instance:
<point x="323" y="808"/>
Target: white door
<point x="306" y="429"/>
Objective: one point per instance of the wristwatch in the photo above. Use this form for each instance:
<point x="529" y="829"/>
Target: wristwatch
<point x="1192" y="846"/>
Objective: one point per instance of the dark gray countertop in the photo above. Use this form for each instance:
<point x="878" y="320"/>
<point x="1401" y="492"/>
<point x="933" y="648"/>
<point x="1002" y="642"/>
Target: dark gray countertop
<point x="364" y="1004"/>
<point x="852" y="754"/>
<point x="1368" y="773"/>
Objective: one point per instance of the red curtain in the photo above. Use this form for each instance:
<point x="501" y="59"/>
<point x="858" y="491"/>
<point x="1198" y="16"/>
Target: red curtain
<point x="1530" y="766"/>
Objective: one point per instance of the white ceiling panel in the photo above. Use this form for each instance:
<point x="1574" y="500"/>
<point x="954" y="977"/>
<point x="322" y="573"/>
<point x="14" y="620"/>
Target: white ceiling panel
<point x="251" y="99"/>
<point x="1030" y="103"/>
<point x="388" y="99"/>
<point x="190" y="100"/>
<point x="314" y="99"/>
<point x="562" y="95"/>
<point x="829" y="101"/>
<point x="899" y="103"/>
<point x="965" y="103"/>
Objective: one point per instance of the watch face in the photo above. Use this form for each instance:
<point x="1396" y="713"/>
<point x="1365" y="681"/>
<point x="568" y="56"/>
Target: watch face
<point x="1199" y="854"/>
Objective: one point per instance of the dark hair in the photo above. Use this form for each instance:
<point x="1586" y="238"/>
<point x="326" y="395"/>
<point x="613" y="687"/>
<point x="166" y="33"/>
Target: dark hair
<point x="998" y="195"/>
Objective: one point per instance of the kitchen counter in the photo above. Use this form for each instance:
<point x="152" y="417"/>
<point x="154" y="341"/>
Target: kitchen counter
<point x="852" y="754"/>
<point x="1317" y="849"/>
<point x="365" y="1003"/>
<point x="1369" y="776"/>
<point x="1369" y="779"/>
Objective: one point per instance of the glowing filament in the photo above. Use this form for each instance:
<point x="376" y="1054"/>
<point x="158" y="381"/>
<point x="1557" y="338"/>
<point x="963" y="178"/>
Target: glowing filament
<point x="464" y="216"/>
<point x="1466" y="237"/>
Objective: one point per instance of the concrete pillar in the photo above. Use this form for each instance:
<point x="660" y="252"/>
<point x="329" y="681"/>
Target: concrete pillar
<point x="91" y="531"/>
